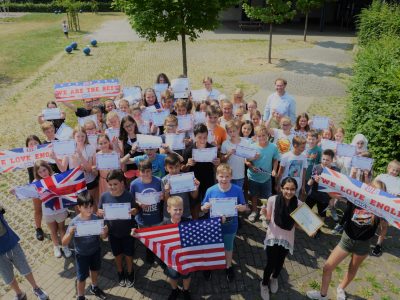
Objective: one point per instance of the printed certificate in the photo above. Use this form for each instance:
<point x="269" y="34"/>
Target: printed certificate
<point x="307" y="219"/>
<point x="320" y="123"/>
<point x="363" y="163"/>
<point x="107" y="161"/>
<point x="205" y="154"/>
<point x="64" y="148"/>
<point x="146" y="141"/>
<point x="81" y="121"/>
<point x="346" y="150"/>
<point x="51" y="113"/>
<point x="185" y="122"/>
<point x="117" y="211"/>
<point x="181" y="183"/>
<point x="328" y="144"/>
<point x="158" y="117"/>
<point x="88" y="228"/>
<point x="245" y="152"/>
<point x="223" y="207"/>
<point x="175" y="141"/>
<point x="112" y="133"/>
<point x="28" y="191"/>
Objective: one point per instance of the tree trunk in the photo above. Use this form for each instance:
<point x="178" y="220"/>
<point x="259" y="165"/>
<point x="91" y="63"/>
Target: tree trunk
<point x="270" y="43"/>
<point x="305" y="28"/>
<point x="184" y="59"/>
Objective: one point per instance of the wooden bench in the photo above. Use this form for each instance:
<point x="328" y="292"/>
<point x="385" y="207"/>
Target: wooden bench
<point x="250" y="25"/>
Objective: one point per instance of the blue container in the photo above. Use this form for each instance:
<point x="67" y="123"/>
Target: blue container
<point x="93" y="43"/>
<point x="68" y="49"/>
<point x="74" y="45"/>
<point x="86" y="50"/>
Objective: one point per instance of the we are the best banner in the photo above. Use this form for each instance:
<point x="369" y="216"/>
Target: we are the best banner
<point x="376" y="201"/>
<point x="71" y="91"/>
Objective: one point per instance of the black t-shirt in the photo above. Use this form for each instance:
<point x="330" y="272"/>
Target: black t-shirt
<point x="203" y="171"/>
<point x="31" y="175"/>
<point x="359" y="224"/>
<point x="119" y="228"/>
<point x="54" y="167"/>
<point x="127" y="147"/>
<point x="82" y="112"/>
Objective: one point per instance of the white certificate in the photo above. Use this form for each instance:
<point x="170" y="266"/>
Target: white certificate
<point x="64" y="148"/>
<point x="112" y="133"/>
<point x="363" y="163"/>
<point x="181" y="183"/>
<point x="245" y="152"/>
<point x="346" y="150"/>
<point x="147" y="113"/>
<point x="87" y="228"/>
<point x="180" y="86"/>
<point x="120" y="113"/>
<point x="204" y="155"/>
<point x="64" y="132"/>
<point x="320" y="123"/>
<point x="148" y="198"/>
<point x="107" y="161"/>
<point x="185" y="122"/>
<point x="198" y="95"/>
<point x="132" y="94"/>
<point x="307" y="219"/>
<point x="158" y="117"/>
<point x="175" y="141"/>
<point x="223" y="207"/>
<point x="93" y="118"/>
<point x="92" y="138"/>
<point x="117" y="211"/>
<point x="146" y="141"/>
<point x="51" y="113"/>
<point x="199" y="117"/>
<point x="328" y="144"/>
<point x="26" y="192"/>
<point x="160" y="88"/>
<point x="210" y="137"/>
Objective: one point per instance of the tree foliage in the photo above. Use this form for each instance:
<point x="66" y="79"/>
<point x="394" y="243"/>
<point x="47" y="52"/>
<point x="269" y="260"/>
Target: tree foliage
<point x="173" y="19"/>
<point x="72" y="9"/>
<point x="273" y="12"/>
<point x="305" y="6"/>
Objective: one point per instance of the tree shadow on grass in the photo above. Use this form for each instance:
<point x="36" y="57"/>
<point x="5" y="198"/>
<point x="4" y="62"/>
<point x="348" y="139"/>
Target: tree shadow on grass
<point x="321" y="70"/>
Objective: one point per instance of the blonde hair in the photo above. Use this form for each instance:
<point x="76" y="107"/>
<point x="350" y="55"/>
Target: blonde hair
<point x="283" y="119"/>
<point x="227" y="102"/>
<point x="238" y="92"/>
<point x="123" y="101"/>
<point x="82" y="130"/>
<point x="232" y="124"/>
<point x="394" y="164"/>
<point x="224" y="168"/>
<point x="378" y="185"/>
<point x="174" y="201"/>
<point x="89" y="122"/>
<point x="171" y="118"/>
<point x="180" y="103"/>
<point x="207" y="78"/>
<point x="112" y="115"/>
<point x="46" y="125"/>
<point x="261" y="129"/>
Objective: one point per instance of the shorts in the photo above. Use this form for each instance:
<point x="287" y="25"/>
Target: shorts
<point x="229" y="239"/>
<point x="175" y="275"/>
<point x="123" y="245"/>
<point x="59" y="217"/>
<point x="258" y="189"/>
<point x="354" y="246"/>
<point x="94" y="184"/>
<point x="13" y="258"/>
<point x="238" y="182"/>
<point x="84" y="263"/>
<point x="321" y="201"/>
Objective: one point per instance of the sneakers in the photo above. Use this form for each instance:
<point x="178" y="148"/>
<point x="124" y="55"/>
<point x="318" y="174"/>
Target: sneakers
<point x="121" y="279"/>
<point x="39" y="234"/>
<point x="67" y="252"/>
<point x="252" y="217"/>
<point x="316" y="295"/>
<point x="57" y="251"/>
<point x="264" y="291"/>
<point x="338" y="229"/>
<point x="97" y="292"/>
<point x="174" y="294"/>
<point x="377" y="251"/>
<point x="186" y="295"/>
<point x="207" y="275"/>
<point x="130" y="279"/>
<point x="230" y="274"/>
<point x="264" y="224"/>
<point x="21" y="296"/>
<point x="263" y="217"/>
<point x="340" y="294"/>
<point x="273" y="284"/>
<point x="81" y="298"/>
<point x="40" y="294"/>
<point x="334" y="214"/>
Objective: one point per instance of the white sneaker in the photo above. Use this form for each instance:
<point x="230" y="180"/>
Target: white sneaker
<point x="67" y="252"/>
<point x="264" y="224"/>
<point x="340" y="294"/>
<point x="273" y="284"/>
<point x="263" y="217"/>
<point x="264" y="291"/>
<point x="316" y="295"/>
<point x="57" y="251"/>
<point x="252" y="217"/>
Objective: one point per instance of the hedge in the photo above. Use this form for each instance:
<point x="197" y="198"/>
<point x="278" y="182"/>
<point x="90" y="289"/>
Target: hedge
<point x="51" y="7"/>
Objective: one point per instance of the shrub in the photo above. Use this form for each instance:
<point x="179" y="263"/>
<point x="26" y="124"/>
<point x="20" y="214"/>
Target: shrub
<point x="51" y="7"/>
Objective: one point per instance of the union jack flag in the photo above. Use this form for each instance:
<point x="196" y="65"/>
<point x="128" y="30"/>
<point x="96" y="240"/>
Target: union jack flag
<point x="187" y="246"/>
<point x="60" y="190"/>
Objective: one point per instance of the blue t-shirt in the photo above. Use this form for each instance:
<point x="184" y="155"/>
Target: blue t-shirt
<point x="85" y="245"/>
<point x="231" y="224"/>
<point x="8" y="238"/>
<point x="158" y="164"/>
<point x="264" y="162"/>
<point x="152" y="214"/>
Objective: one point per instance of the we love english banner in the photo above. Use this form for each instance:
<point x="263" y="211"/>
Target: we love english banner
<point x="21" y="158"/>
<point x="376" y="201"/>
<point x="71" y="91"/>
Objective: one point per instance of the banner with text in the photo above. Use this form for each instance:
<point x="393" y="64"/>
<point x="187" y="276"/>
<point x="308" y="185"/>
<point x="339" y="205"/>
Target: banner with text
<point x="376" y="201"/>
<point x="21" y="158"/>
<point x="71" y="91"/>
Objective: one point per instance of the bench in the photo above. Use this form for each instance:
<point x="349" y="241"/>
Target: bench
<point x="250" y="25"/>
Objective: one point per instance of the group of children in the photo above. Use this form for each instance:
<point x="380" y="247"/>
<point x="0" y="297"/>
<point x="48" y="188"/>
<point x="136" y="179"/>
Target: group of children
<point x="256" y="158"/>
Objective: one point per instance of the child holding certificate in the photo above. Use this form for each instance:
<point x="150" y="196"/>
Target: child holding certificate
<point x="313" y="153"/>
<point x="217" y="131"/>
<point x="227" y="113"/>
<point x="283" y="137"/>
<point x="119" y="227"/>
<point x="279" y="240"/>
<point x="50" y="134"/>
<point x="225" y="189"/>
<point x="87" y="248"/>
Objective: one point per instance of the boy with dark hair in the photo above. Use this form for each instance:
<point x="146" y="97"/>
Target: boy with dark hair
<point x="87" y="248"/>
<point x="313" y="153"/>
<point x="122" y="243"/>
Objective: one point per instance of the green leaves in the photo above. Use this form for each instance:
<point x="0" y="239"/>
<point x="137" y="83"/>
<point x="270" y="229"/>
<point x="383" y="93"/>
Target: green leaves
<point x="305" y="6"/>
<point x="274" y="11"/>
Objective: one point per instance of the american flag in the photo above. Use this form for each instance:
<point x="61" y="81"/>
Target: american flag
<point x="187" y="247"/>
<point x="60" y="190"/>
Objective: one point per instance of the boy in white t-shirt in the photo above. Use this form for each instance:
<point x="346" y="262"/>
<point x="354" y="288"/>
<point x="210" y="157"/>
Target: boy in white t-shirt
<point x="294" y="164"/>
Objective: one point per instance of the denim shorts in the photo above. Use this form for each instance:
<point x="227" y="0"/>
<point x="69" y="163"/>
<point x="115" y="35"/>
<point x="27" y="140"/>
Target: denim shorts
<point x="229" y="239"/>
<point x="13" y="258"/>
<point x="354" y="246"/>
<point x="171" y="273"/>
<point x="258" y="189"/>
<point x="84" y="263"/>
